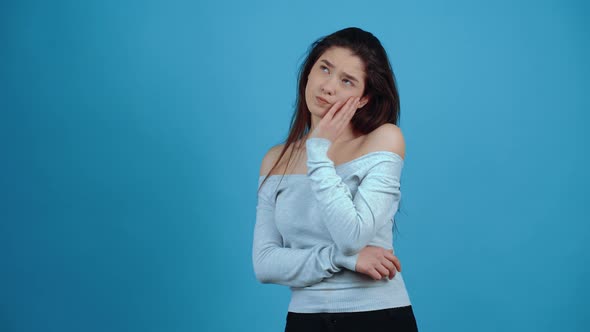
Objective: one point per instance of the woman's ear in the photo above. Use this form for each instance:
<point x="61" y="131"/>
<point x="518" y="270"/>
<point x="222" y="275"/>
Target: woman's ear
<point x="364" y="100"/>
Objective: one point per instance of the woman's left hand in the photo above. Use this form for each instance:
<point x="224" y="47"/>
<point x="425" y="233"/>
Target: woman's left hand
<point x="337" y="118"/>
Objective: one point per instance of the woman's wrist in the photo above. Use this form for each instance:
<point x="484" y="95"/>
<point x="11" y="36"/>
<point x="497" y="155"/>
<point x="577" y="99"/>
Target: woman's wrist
<point x="317" y="148"/>
<point x="347" y="262"/>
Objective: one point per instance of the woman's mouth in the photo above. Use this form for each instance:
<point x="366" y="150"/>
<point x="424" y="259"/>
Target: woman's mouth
<point x="322" y="101"/>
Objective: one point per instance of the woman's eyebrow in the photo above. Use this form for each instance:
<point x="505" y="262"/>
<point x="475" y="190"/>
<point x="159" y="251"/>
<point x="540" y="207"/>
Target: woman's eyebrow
<point x="348" y="76"/>
<point x="328" y="63"/>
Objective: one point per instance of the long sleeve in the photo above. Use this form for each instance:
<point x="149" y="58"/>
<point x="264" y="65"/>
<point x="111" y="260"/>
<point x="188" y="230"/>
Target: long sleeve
<point x="289" y="266"/>
<point x="353" y="222"/>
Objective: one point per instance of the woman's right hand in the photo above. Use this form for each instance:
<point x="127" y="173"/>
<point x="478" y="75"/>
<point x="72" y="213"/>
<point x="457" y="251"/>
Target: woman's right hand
<point x="377" y="263"/>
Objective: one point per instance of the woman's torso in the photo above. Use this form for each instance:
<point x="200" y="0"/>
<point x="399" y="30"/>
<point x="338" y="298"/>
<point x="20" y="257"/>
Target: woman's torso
<point x="346" y="290"/>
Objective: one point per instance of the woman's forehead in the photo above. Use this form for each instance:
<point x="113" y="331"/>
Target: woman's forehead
<point x="343" y="60"/>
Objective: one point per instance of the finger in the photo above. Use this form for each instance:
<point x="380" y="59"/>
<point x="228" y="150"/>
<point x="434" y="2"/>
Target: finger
<point x="358" y="104"/>
<point x="353" y="106"/>
<point x="332" y="111"/>
<point x="390" y="268"/>
<point x="389" y="255"/>
<point x="383" y="271"/>
<point x="352" y="109"/>
<point x="342" y="118"/>
<point x="344" y="109"/>
<point x="374" y="274"/>
<point x="397" y="263"/>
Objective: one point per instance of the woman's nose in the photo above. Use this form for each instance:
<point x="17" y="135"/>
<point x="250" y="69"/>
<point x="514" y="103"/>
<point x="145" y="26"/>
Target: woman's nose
<point x="328" y="87"/>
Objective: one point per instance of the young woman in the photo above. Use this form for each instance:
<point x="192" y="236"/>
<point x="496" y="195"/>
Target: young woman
<point x="327" y="196"/>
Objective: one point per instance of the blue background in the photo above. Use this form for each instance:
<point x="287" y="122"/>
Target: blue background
<point x="132" y="134"/>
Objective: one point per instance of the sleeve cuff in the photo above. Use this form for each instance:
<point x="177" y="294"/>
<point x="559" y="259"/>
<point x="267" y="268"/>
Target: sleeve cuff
<point x="348" y="262"/>
<point x="317" y="148"/>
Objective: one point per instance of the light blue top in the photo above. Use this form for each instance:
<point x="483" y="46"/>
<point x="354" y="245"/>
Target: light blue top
<point x="310" y="228"/>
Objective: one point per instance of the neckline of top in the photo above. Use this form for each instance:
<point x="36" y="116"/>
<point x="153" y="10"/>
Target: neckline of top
<point x="347" y="163"/>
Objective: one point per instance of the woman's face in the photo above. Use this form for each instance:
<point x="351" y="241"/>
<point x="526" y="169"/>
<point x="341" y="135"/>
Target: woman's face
<point x="336" y="76"/>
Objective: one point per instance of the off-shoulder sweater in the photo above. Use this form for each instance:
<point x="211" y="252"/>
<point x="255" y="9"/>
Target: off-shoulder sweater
<point x="310" y="227"/>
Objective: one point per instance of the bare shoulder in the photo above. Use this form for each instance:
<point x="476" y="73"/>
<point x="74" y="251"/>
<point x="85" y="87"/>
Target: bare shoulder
<point x="388" y="137"/>
<point x="270" y="158"/>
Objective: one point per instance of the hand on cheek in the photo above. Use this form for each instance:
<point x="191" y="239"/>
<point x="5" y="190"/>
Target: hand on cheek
<point x="335" y="121"/>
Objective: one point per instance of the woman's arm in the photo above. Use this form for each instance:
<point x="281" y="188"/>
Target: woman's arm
<point x="353" y="222"/>
<point x="288" y="266"/>
<point x="304" y="267"/>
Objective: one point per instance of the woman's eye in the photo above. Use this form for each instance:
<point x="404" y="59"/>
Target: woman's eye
<point x="324" y="69"/>
<point x="347" y="82"/>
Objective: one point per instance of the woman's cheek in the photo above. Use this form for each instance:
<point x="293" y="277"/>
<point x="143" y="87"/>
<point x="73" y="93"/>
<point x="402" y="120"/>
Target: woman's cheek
<point x="346" y="97"/>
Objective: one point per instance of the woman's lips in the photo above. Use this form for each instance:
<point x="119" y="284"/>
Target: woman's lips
<point x="322" y="101"/>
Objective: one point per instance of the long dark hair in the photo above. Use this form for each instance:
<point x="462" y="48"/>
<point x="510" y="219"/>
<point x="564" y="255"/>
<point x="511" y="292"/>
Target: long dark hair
<point x="383" y="106"/>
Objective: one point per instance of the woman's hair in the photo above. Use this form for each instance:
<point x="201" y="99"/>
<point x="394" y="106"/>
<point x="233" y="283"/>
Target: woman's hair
<point x="383" y="106"/>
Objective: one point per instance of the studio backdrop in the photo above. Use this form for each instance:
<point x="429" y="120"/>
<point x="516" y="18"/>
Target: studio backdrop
<point x="132" y="134"/>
